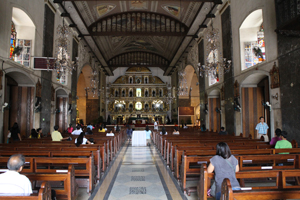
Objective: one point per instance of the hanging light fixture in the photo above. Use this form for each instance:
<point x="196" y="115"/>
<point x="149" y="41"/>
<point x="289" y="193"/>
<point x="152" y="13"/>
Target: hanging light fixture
<point x="215" y="65"/>
<point x="61" y="63"/>
<point x="183" y="89"/>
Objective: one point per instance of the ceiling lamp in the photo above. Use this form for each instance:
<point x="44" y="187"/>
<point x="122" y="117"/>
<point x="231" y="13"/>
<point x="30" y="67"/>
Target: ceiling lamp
<point x="61" y="62"/>
<point x="216" y="65"/>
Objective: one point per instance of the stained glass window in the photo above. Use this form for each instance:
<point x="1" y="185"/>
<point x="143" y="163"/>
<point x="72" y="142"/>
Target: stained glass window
<point x="13" y="37"/>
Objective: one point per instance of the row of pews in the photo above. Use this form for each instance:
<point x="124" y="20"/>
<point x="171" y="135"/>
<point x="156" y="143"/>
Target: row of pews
<point x="62" y="165"/>
<point x="270" y="174"/>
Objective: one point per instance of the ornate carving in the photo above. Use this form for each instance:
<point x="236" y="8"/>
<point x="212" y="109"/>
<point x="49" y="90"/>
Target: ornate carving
<point x="275" y="82"/>
<point x="236" y="89"/>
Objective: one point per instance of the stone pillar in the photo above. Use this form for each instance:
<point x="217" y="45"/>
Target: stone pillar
<point x="202" y="84"/>
<point x="46" y="77"/>
<point x="230" y="119"/>
<point x="74" y="85"/>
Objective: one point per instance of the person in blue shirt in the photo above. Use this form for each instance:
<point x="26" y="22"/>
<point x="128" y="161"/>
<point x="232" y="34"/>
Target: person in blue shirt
<point x="129" y="132"/>
<point x="148" y="137"/>
<point x="262" y="129"/>
<point x="90" y="126"/>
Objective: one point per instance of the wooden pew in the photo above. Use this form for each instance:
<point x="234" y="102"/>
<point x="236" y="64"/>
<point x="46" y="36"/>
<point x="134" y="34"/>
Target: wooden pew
<point x="44" y="193"/>
<point x="282" y="191"/>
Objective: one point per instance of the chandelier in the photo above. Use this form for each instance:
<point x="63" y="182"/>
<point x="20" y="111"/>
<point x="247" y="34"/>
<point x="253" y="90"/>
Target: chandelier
<point x="94" y="84"/>
<point x="216" y="65"/>
<point x="61" y="63"/>
<point x="120" y="103"/>
<point x="183" y="89"/>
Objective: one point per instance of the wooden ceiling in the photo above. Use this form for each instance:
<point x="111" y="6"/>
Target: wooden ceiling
<point x="136" y="32"/>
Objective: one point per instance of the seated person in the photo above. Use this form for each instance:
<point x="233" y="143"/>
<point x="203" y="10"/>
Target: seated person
<point x="40" y="132"/>
<point x="117" y="128"/>
<point x="163" y="131"/>
<point x="89" y="132"/>
<point x="70" y="129"/>
<point x="222" y="131"/>
<point x="110" y="133"/>
<point x="101" y="130"/>
<point x="283" y="143"/>
<point x="34" y="134"/>
<point x="13" y="183"/>
<point x="81" y="140"/>
<point x="77" y="131"/>
<point x="155" y="126"/>
<point x="56" y="135"/>
<point x="203" y="127"/>
<point x="277" y="138"/>
<point x="185" y="126"/>
<point x="148" y="137"/>
<point x="90" y="126"/>
<point x="175" y="131"/>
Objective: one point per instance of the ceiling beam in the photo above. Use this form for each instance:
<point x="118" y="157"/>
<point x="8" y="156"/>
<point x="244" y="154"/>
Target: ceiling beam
<point x="214" y="1"/>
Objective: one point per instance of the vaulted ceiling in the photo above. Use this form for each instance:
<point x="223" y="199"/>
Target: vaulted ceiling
<point x="139" y="33"/>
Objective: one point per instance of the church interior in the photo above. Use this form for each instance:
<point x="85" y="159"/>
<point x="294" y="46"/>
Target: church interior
<point x="185" y="70"/>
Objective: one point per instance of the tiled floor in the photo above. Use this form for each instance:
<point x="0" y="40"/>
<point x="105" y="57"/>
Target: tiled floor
<point x="138" y="173"/>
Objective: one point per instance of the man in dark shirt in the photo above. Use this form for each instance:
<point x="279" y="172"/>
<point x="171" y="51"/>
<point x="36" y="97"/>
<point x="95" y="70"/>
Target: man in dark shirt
<point x="223" y="132"/>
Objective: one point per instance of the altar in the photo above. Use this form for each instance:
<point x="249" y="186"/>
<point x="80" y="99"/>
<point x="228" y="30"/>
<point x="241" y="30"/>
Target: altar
<point x="139" y="138"/>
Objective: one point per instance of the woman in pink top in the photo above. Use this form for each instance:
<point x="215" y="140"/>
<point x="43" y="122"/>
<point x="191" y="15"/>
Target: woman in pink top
<point x="70" y="129"/>
<point x="277" y="138"/>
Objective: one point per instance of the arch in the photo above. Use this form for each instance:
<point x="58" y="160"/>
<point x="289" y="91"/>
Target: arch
<point x="21" y="77"/>
<point x="21" y="17"/>
<point x="61" y="92"/>
<point x="253" y="78"/>
<point x="214" y="93"/>
<point x="252" y="43"/>
<point x="143" y="23"/>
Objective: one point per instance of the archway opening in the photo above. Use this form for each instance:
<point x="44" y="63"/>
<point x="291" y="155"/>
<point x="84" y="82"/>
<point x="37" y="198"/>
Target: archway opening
<point x="254" y="95"/>
<point x="22" y="37"/>
<point x="252" y="42"/>
<point x="19" y="94"/>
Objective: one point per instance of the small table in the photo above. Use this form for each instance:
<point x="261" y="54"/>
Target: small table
<point x="139" y="138"/>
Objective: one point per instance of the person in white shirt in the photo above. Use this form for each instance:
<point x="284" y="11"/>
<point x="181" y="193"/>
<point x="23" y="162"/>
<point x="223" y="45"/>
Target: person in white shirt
<point x="77" y="131"/>
<point x="155" y="125"/>
<point x="185" y="126"/>
<point x="81" y="140"/>
<point x="175" y="132"/>
<point x="13" y="183"/>
<point x="110" y="133"/>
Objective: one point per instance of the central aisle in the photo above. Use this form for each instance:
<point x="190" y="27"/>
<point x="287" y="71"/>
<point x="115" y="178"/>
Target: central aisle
<point x="138" y="173"/>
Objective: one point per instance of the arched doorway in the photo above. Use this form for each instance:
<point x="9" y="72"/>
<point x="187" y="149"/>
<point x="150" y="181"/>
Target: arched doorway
<point x="254" y="94"/>
<point x="20" y="96"/>
<point x="61" y="111"/>
<point x="88" y="104"/>
<point x="214" y="106"/>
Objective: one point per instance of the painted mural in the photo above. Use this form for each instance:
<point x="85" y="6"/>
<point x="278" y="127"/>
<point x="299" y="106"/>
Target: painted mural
<point x="104" y="9"/>
<point x="172" y="9"/>
<point x="138" y="5"/>
<point x="139" y="45"/>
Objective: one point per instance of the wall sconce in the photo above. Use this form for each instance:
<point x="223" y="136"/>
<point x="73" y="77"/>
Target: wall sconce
<point x="4" y="106"/>
<point x="275" y="96"/>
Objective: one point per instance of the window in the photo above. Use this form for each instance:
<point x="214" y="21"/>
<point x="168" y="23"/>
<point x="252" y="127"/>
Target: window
<point x="24" y="56"/>
<point x="13" y="36"/>
<point x="138" y="92"/>
<point x="252" y="40"/>
<point x="62" y="77"/>
<point x="138" y="106"/>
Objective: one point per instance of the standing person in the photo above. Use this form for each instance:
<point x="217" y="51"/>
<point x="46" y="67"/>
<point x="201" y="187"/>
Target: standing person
<point x="148" y="137"/>
<point x="129" y="132"/>
<point x="224" y="165"/>
<point x="277" y="138"/>
<point x="15" y="132"/>
<point x="81" y="140"/>
<point x="283" y="143"/>
<point x="70" y="129"/>
<point x="12" y="182"/>
<point x="155" y="125"/>
<point x="222" y="131"/>
<point x="262" y="129"/>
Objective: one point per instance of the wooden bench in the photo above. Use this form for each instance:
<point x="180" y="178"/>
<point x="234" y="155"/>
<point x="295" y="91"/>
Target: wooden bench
<point x="44" y="193"/>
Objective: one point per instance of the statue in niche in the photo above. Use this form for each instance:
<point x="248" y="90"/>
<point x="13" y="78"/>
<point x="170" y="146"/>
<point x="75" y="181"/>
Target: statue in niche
<point x="123" y="93"/>
<point x="146" y="80"/>
<point x="130" y="80"/>
<point x="116" y="93"/>
<point x="153" y="93"/>
<point x="274" y="76"/>
<point x="130" y="93"/>
<point x="160" y="93"/>
<point x="146" y="93"/>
